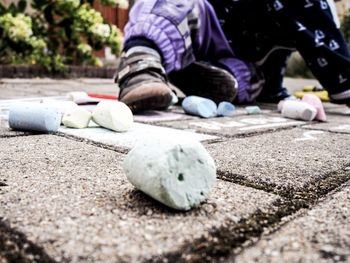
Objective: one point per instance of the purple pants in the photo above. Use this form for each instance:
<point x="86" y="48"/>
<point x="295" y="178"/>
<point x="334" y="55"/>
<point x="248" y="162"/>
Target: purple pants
<point x="242" y="35"/>
<point x="186" y="31"/>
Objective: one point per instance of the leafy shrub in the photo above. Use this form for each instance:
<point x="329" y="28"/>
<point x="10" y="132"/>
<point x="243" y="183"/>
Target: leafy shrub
<point x="57" y="33"/>
<point x="345" y="27"/>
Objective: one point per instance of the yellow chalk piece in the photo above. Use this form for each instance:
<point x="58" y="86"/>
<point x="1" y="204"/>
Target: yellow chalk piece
<point x="323" y="95"/>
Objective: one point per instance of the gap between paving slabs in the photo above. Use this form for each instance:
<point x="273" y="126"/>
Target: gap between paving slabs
<point x="228" y="241"/>
<point x="321" y="234"/>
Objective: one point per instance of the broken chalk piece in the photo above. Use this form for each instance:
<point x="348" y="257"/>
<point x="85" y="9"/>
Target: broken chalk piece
<point x="199" y="106"/>
<point x="253" y="110"/>
<point x="299" y="110"/>
<point x="78" y="118"/>
<point x="113" y="115"/>
<point x="81" y="97"/>
<point x="179" y="174"/>
<point x="316" y="102"/>
<point x="34" y="117"/>
<point x="226" y="109"/>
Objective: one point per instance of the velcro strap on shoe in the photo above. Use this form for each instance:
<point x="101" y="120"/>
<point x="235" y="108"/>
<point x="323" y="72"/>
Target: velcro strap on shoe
<point x="138" y="64"/>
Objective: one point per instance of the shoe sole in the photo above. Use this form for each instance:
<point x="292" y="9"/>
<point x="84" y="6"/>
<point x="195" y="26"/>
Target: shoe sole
<point x="148" y="96"/>
<point x="206" y="81"/>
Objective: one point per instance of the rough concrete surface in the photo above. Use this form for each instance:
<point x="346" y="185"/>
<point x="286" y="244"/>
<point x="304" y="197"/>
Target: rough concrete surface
<point x="284" y="160"/>
<point x="335" y="123"/>
<point x="318" y="235"/>
<point x="20" y="88"/>
<point x="73" y="200"/>
<point x="68" y="200"/>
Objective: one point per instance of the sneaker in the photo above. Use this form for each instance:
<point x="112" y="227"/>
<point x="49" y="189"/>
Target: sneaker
<point x="281" y="94"/>
<point x="204" y="80"/>
<point x="143" y="83"/>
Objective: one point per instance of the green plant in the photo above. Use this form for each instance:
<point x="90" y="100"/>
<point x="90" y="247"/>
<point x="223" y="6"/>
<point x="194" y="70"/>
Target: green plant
<point x="345" y="27"/>
<point x="57" y="33"/>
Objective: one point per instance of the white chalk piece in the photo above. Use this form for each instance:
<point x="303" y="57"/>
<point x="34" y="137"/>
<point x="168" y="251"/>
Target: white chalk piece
<point x="253" y="110"/>
<point x="174" y="98"/>
<point x="226" y="109"/>
<point x="316" y="102"/>
<point x="93" y="124"/>
<point x="280" y="105"/>
<point x="179" y="174"/>
<point x="299" y="110"/>
<point x="81" y="97"/>
<point x="113" y="115"/>
<point x="199" y="106"/>
<point x="60" y="105"/>
<point x="78" y="118"/>
<point x="34" y="117"/>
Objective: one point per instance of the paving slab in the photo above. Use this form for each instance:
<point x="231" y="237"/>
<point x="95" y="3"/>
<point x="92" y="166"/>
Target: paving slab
<point x="235" y="126"/>
<point x="288" y="160"/>
<point x="73" y="200"/>
<point x="153" y="116"/>
<point x="137" y="133"/>
<point x="319" y="235"/>
<point x="335" y="123"/>
<point x="331" y="108"/>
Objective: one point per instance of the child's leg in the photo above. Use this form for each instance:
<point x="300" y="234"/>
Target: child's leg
<point x="251" y="34"/>
<point x="313" y="27"/>
<point x="171" y="35"/>
<point x="273" y="69"/>
<point x="310" y="26"/>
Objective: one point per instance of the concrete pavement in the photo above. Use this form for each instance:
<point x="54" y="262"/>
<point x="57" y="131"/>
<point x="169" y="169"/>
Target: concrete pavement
<point x="282" y="193"/>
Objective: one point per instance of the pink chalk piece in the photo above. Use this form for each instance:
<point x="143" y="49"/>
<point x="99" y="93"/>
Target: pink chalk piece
<point x="316" y="102"/>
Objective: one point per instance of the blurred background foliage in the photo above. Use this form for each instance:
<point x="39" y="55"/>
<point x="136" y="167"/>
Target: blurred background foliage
<point x="56" y="33"/>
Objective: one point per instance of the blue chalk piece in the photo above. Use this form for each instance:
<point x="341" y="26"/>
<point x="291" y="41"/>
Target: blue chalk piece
<point x="199" y="106"/>
<point x="34" y="117"/>
<point x="253" y="110"/>
<point x="226" y="109"/>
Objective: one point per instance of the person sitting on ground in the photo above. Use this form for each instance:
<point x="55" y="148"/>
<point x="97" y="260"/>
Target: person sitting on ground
<point x="228" y="50"/>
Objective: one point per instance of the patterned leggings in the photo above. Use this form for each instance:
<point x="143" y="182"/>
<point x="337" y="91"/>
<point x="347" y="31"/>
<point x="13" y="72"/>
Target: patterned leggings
<point x="267" y="31"/>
